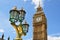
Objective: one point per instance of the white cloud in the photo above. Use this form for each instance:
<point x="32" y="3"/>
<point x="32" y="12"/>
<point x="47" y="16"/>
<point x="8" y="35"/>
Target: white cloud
<point x="1" y="30"/>
<point x="49" y="37"/>
<point x="57" y="34"/>
<point x="36" y="2"/>
<point x="53" y="38"/>
<point x="25" y="0"/>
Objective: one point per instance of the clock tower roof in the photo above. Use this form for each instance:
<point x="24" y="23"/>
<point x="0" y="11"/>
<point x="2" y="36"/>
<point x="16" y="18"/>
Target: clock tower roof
<point x="39" y="8"/>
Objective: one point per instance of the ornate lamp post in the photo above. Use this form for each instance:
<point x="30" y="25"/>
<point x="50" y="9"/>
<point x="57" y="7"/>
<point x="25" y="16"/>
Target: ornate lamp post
<point x="18" y="16"/>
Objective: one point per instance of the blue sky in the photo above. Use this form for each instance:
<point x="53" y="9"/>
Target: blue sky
<point x="51" y="9"/>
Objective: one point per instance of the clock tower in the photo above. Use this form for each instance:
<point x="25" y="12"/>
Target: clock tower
<point x="39" y="25"/>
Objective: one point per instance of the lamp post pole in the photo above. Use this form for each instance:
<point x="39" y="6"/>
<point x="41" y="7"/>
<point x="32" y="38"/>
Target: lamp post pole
<point x="18" y="16"/>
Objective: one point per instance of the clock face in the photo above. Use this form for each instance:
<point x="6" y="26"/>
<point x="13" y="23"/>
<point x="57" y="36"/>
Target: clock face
<point x="38" y="19"/>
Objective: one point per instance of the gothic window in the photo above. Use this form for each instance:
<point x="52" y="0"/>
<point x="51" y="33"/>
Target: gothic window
<point x="43" y="34"/>
<point x="43" y="27"/>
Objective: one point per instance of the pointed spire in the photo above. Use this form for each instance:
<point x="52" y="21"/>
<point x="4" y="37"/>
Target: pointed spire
<point x="39" y="7"/>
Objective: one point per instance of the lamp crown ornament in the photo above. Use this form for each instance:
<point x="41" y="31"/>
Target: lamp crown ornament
<point x="22" y="8"/>
<point x="14" y="8"/>
<point x="25" y="22"/>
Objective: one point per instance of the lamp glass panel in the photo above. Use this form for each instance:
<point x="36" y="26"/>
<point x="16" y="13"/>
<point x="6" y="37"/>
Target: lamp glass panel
<point x="24" y="28"/>
<point x="14" y="16"/>
<point x="27" y="27"/>
<point x="22" y="14"/>
<point x="21" y="17"/>
<point x="11" y="17"/>
<point x="12" y="20"/>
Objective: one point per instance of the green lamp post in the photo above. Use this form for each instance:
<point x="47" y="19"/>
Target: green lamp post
<point x="18" y="16"/>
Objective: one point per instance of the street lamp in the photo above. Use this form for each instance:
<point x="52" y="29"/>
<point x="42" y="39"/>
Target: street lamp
<point x="22" y="15"/>
<point x="25" y="27"/>
<point x="14" y="15"/>
<point x="18" y="16"/>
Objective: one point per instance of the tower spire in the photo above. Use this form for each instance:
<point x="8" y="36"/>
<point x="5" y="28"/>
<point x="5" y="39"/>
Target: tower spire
<point x="39" y="7"/>
<point x="39" y="4"/>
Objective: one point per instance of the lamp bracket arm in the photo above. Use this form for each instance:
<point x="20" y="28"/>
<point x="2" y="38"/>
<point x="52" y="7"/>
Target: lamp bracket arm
<point x="14" y="25"/>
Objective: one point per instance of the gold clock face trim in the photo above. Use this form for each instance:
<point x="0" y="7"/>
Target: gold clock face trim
<point x="38" y="19"/>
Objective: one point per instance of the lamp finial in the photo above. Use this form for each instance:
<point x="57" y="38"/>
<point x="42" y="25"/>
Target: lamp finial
<point x="14" y="8"/>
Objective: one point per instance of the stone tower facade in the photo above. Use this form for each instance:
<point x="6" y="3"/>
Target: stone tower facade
<point x="39" y="25"/>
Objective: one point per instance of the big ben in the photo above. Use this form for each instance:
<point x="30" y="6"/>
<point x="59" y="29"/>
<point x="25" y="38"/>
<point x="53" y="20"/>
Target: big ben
<point x="39" y="25"/>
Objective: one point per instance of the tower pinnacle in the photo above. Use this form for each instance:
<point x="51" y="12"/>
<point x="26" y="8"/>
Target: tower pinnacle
<point x="39" y="4"/>
<point x="39" y="7"/>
